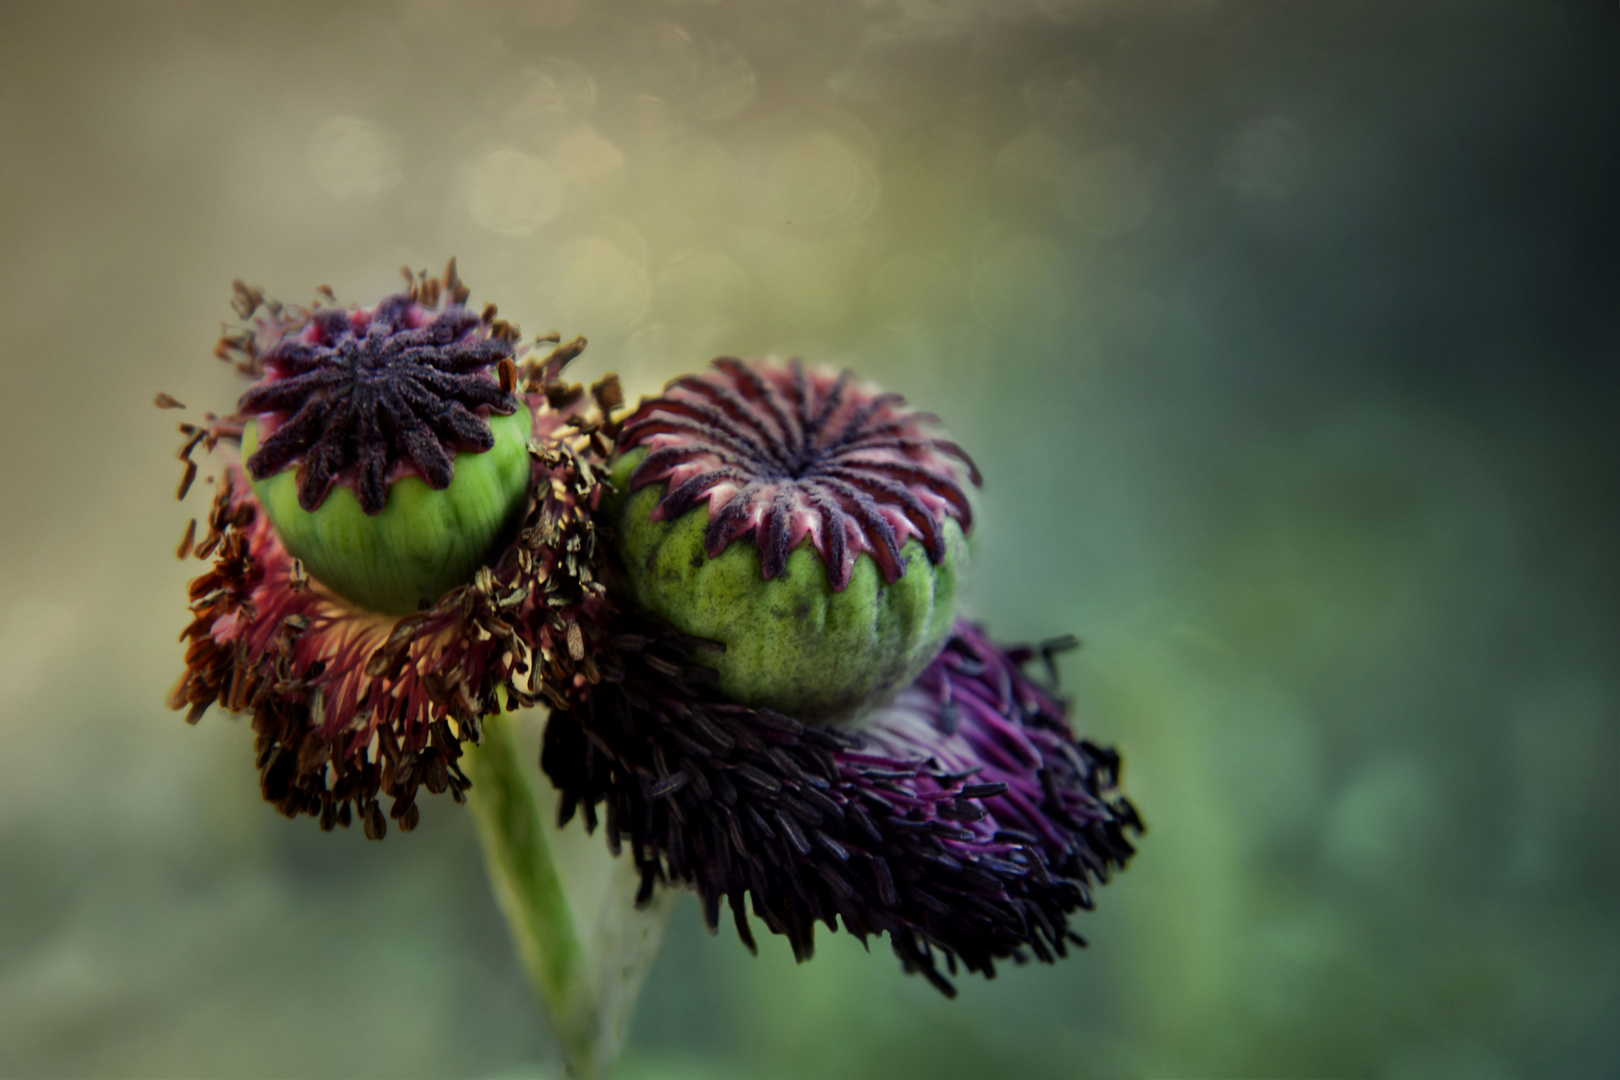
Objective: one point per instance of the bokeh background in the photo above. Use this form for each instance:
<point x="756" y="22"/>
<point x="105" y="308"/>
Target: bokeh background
<point x="1285" y="334"/>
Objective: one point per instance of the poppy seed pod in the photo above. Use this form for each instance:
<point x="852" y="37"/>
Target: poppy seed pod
<point x="385" y="450"/>
<point x="790" y="546"/>
<point x="812" y="525"/>
<point x="406" y="549"/>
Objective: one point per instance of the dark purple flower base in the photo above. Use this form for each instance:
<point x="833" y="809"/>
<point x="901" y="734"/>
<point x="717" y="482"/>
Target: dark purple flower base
<point x="964" y="822"/>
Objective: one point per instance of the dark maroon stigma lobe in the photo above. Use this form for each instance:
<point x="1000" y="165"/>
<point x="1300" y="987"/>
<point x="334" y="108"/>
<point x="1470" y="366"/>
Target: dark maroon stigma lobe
<point x="372" y="390"/>
<point x="783" y="453"/>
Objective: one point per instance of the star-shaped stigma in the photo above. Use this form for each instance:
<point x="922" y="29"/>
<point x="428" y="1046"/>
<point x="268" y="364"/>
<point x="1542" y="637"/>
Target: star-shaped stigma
<point x="366" y="391"/>
<point x="786" y="453"/>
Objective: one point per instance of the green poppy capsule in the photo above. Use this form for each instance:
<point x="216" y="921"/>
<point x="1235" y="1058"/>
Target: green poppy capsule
<point x="858" y="520"/>
<point x="389" y="457"/>
<point x="423" y="542"/>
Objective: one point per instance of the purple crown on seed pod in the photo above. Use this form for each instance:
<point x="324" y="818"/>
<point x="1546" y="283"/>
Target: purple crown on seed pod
<point x="370" y="390"/>
<point x="784" y="454"/>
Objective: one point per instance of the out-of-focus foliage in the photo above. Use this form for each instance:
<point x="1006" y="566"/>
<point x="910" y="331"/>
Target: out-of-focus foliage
<point x="1284" y="334"/>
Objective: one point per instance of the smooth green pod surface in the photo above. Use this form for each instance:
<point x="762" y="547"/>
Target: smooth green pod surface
<point x="424" y="543"/>
<point x="792" y="643"/>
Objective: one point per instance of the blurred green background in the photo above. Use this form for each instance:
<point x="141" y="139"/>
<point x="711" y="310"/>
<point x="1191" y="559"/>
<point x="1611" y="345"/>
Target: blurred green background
<point x="1285" y="334"/>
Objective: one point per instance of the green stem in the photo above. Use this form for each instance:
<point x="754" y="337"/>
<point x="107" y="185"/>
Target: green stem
<point x="527" y="884"/>
<point x="587" y="981"/>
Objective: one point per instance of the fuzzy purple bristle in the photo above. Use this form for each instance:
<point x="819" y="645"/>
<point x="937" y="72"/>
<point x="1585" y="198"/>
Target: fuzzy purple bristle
<point x="965" y="821"/>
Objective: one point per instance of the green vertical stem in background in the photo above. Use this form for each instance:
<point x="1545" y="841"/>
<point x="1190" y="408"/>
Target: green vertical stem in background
<point x="530" y="890"/>
<point x="623" y="948"/>
<point x="587" y="977"/>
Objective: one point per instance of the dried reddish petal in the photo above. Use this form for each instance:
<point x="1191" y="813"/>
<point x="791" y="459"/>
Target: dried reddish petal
<point x="349" y="705"/>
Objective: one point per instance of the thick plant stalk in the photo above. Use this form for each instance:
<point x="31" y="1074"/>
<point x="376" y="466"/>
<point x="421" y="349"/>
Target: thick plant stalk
<point x="587" y="962"/>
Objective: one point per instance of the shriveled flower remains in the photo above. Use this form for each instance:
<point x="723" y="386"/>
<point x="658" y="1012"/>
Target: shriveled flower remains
<point x="349" y="705"/>
<point x="964" y="820"/>
<point x="958" y="815"/>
